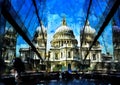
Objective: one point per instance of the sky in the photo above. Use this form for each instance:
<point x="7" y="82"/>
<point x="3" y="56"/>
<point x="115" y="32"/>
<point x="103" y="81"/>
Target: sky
<point x="51" y="12"/>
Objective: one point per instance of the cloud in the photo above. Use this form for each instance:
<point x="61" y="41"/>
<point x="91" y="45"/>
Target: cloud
<point x="49" y="39"/>
<point x="54" y="21"/>
<point x="78" y="39"/>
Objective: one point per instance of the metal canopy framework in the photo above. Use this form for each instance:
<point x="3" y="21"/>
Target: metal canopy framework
<point x="108" y="18"/>
<point x="26" y="15"/>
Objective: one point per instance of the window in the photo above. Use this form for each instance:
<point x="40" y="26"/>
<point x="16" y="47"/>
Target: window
<point x="94" y="57"/>
<point x="61" y="54"/>
<point x="62" y="43"/>
<point x="69" y="56"/>
<point x="56" y="56"/>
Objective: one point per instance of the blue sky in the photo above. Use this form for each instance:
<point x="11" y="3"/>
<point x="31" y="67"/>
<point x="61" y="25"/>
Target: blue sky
<point x="52" y="12"/>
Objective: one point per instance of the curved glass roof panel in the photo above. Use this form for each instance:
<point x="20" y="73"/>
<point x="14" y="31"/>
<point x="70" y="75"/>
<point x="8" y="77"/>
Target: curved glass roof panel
<point x="30" y="14"/>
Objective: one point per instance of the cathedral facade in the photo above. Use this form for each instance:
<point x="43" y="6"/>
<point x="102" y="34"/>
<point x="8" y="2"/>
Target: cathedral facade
<point x="9" y="45"/>
<point x="39" y="40"/>
<point x="64" y="52"/>
<point x="94" y="58"/>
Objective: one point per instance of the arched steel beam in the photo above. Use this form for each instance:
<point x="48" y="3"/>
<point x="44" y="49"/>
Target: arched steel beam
<point x="108" y="18"/>
<point x="90" y="2"/>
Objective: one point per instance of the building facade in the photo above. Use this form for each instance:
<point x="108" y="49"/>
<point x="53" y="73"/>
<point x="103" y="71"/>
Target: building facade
<point x="116" y="42"/>
<point x="9" y="45"/>
<point x="39" y="40"/>
<point x="64" y="52"/>
<point x="94" y="56"/>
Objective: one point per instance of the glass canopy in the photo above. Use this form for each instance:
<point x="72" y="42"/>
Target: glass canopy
<point x="29" y="14"/>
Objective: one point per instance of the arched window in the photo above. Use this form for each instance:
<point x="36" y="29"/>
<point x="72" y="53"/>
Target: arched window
<point x="69" y="56"/>
<point x="61" y="54"/>
<point x="62" y="43"/>
<point x="56" y="56"/>
<point x="94" y="57"/>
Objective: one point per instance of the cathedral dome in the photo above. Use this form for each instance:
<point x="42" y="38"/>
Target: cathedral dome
<point x="11" y="29"/>
<point x="88" y="29"/>
<point x="40" y="33"/>
<point x="63" y="34"/>
<point x="40" y="29"/>
<point x="116" y="29"/>
<point x="64" y="29"/>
